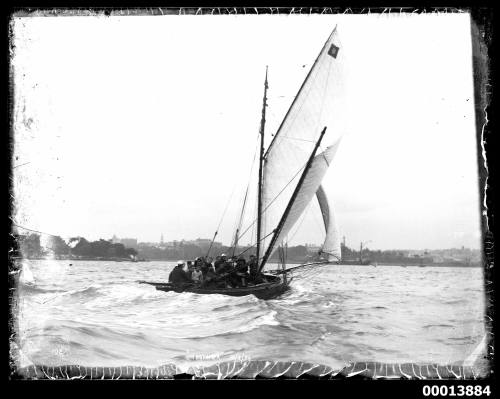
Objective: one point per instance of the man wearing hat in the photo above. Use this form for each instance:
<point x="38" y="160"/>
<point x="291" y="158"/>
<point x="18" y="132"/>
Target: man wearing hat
<point x="178" y="276"/>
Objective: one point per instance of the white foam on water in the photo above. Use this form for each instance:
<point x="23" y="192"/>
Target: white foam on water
<point x="268" y="319"/>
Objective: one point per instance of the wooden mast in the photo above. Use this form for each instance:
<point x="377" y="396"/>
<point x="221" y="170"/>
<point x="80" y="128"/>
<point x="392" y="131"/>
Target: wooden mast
<point x="261" y="161"/>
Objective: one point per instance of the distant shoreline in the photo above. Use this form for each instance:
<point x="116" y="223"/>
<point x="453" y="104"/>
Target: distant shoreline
<point x="444" y="264"/>
<point x="374" y="264"/>
<point x="97" y="259"/>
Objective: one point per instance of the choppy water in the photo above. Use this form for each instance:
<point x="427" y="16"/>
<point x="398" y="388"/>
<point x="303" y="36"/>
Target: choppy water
<point x="96" y="314"/>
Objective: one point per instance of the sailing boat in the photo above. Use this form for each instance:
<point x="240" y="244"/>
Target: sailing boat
<point x="291" y="171"/>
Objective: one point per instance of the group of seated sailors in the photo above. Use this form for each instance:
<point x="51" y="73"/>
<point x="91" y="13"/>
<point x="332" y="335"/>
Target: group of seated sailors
<point x="223" y="273"/>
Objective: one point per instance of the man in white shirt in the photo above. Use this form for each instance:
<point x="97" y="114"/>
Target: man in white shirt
<point x="197" y="274"/>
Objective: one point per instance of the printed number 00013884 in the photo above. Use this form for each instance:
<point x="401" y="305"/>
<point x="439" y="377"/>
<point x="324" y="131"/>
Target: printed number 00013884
<point x="456" y="390"/>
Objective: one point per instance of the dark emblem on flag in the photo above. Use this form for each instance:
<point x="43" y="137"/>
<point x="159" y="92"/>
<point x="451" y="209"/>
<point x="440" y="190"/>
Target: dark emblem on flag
<point x="333" y="51"/>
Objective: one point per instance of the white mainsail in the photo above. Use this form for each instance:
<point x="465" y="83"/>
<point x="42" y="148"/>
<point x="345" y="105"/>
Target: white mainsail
<point x="331" y="246"/>
<point x="317" y="104"/>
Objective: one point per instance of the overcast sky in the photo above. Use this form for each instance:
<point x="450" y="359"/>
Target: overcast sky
<point x="138" y="126"/>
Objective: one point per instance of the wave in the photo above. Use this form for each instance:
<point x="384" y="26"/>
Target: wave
<point x="33" y="289"/>
<point x="113" y="293"/>
<point x="265" y="320"/>
<point x="268" y="319"/>
<point x="122" y="333"/>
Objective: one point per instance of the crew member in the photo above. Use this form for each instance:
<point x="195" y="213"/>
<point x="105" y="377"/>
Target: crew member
<point x="242" y="271"/>
<point x="196" y="276"/>
<point x="255" y="275"/>
<point x="210" y="279"/>
<point x="207" y="265"/>
<point x="178" y="276"/>
<point x="190" y="270"/>
<point x="218" y="261"/>
<point x="221" y="265"/>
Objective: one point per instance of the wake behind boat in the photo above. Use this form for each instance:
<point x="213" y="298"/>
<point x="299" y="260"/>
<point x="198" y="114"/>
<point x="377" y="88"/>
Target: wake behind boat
<point x="290" y="174"/>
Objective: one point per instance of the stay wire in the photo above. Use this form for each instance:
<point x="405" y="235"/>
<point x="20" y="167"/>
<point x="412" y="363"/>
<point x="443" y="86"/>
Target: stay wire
<point x="253" y="245"/>
<point x="238" y="225"/>
<point x="36" y="231"/>
<point x="274" y="199"/>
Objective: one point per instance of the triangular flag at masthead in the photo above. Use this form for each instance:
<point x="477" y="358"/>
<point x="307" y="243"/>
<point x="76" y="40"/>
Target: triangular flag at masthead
<point x="333" y="50"/>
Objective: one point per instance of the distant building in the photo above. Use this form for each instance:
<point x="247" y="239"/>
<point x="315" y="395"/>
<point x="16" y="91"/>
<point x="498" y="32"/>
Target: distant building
<point x="147" y="244"/>
<point x="204" y="243"/>
<point x="312" y="249"/>
<point x="129" y="242"/>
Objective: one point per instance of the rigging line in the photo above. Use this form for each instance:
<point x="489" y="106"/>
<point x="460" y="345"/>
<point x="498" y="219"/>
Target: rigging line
<point x="238" y="226"/>
<point x="17" y="166"/>
<point x="225" y="209"/>
<point x="325" y="158"/>
<point x="34" y="231"/>
<point x="296" y="138"/>
<point x="239" y="222"/>
<point x="274" y="199"/>
<point x="253" y="245"/>
<point x="220" y="222"/>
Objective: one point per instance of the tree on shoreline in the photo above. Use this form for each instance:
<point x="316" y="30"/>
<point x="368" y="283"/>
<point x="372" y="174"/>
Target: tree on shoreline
<point x="30" y="247"/>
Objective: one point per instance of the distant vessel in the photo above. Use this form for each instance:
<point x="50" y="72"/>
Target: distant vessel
<point x="290" y="174"/>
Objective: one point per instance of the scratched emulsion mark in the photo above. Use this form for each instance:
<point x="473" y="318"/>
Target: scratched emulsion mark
<point x="475" y="366"/>
<point x="481" y="46"/>
<point x="258" y="369"/>
<point x="26" y="177"/>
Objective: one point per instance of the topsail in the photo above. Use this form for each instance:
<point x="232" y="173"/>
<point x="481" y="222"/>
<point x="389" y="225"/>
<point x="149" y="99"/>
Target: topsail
<point x="331" y="246"/>
<point x="317" y="105"/>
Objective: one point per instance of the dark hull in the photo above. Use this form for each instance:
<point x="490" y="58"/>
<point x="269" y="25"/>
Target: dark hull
<point x="272" y="289"/>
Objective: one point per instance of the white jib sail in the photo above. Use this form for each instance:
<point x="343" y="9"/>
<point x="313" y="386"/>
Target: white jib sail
<point x="307" y="191"/>
<point x="331" y="246"/>
<point x="319" y="103"/>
